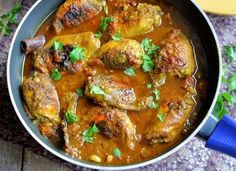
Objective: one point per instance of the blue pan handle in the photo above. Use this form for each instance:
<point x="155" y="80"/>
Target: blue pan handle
<point x="220" y="135"/>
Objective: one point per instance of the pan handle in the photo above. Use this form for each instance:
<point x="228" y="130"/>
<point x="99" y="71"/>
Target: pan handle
<point x="220" y="135"/>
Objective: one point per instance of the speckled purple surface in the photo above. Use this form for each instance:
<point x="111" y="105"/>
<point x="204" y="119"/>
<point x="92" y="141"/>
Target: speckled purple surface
<point x="193" y="156"/>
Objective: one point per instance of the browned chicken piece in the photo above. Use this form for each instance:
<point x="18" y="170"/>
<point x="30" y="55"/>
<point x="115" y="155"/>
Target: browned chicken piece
<point x="69" y="101"/>
<point x="176" y="55"/>
<point x="41" y="60"/>
<point x="175" y="112"/>
<point x="171" y="115"/>
<point x="113" y="123"/>
<point x="47" y="58"/>
<point x="105" y="91"/>
<point x="41" y="98"/>
<point x="74" y="12"/>
<point x="133" y="20"/>
<point x="121" y="54"/>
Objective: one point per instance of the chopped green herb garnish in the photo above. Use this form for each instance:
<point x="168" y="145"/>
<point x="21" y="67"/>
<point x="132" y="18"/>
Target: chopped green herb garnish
<point x="148" y="65"/>
<point x="231" y="52"/>
<point x="97" y="90"/>
<point x="220" y="108"/>
<point x="8" y="19"/>
<point x="57" y="45"/>
<point x="98" y="35"/>
<point x="56" y="75"/>
<point x="161" y="117"/>
<point x="88" y="134"/>
<point x="149" y="51"/>
<point x="77" y="54"/>
<point x="232" y="82"/>
<point x="80" y="92"/>
<point x="116" y="37"/>
<point x="157" y="94"/>
<point x="71" y="117"/>
<point x="152" y="104"/>
<point x="129" y="71"/>
<point x="226" y="99"/>
<point x="149" y="86"/>
<point x="117" y="152"/>
<point x="104" y="23"/>
<point x="148" y="47"/>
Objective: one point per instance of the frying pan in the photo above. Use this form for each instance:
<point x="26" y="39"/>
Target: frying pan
<point x="219" y="136"/>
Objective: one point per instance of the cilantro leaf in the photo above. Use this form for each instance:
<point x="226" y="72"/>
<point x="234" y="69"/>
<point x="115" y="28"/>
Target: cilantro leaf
<point x="231" y="51"/>
<point x="117" y="153"/>
<point x="80" y="92"/>
<point x="71" y="117"/>
<point x="8" y="19"/>
<point x="97" y="90"/>
<point x="148" y="47"/>
<point x="8" y="30"/>
<point x="149" y="51"/>
<point x="232" y="82"/>
<point x="228" y="97"/>
<point x="219" y="110"/>
<point x="161" y="117"/>
<point x="57" y="45"/>
<point x="157" y="94"/>
<point x="77" y="54"/>
<point x="149" y="86"/>
<point x="98" y="35"/>
<point x="116" y="36"/>
<point x="151" y="103"/>
<point x="104" y="23"/>
<point x="129" y="71"/>
<point x="148" y="65"/>
<point x="56" y="75"/>
<point x="88" y="134"/>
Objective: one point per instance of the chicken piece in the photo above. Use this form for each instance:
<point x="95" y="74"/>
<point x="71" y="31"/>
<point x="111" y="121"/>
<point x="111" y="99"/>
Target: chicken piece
<point x="105" y="91"/>
<point x="133" y="20"/>
<point x="41" y="60"/>
<point x="74" y="12"/>
<point x="176" y="55"/>
<point x="47" y="58"/>
<point x="69" y="101"/>
<point x="113" y="123"/>
<point x="174" y="113"/>
<point x="41" y="98"/>
<point x="121" y="54"/>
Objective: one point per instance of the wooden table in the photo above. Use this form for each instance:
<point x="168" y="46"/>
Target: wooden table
<point x="17" y="158"/>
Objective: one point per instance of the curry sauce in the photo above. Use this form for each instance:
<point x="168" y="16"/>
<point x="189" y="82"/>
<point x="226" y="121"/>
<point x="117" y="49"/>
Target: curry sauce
<point x="172" y="94"/>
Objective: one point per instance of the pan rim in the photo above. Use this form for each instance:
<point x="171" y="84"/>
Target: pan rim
<point x="103" y="167"/>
